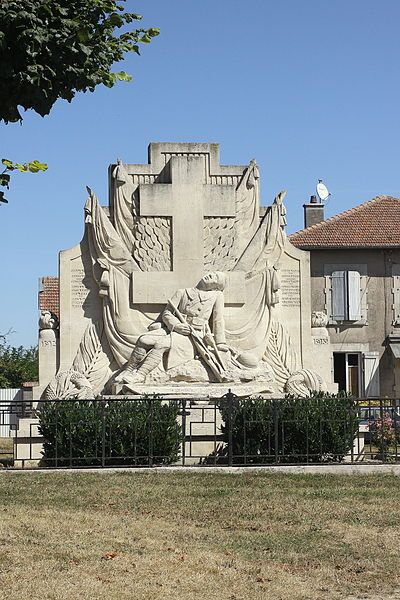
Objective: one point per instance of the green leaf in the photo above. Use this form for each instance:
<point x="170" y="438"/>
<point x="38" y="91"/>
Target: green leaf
<point x="21" y="168"/>
<point x="83" y="35"/>
<point x="4" y="179"/>
<point x="115" y="20"/>
<point x="39" y="166"/>
<point x="8" y="163"/>
<point x="122" y="76"/>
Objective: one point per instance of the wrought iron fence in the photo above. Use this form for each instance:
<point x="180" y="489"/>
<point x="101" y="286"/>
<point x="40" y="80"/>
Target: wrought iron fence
<point x="155" y="431"/>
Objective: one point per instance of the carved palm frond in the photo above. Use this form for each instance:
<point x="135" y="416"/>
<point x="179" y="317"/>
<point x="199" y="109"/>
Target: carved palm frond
<point x="90" y="359"/>
<point x="280" y="355"/>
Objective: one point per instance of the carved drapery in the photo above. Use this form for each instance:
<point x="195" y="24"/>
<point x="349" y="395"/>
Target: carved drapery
<point x="129" y="245"/>
<point x="112" y="260"/>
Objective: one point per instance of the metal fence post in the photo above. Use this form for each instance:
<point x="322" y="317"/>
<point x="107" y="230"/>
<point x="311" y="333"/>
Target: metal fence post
<point x="358" y="434"/>
<point x="396" y="428"/>
<point x="229" y="397"/>
<point x="103" y="433"/>
<point x="183" y="412"/>
<point x="56" y="435"/>
<point x="151" y="424"/>
<point x="276" y="431"/>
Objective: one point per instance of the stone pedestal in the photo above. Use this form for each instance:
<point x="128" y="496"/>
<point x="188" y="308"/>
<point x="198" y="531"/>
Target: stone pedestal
<point x="203" y="429"/>
<point x="48" y="358"/>
<point x="321" y="356"/>
<point x="28" y="444"/>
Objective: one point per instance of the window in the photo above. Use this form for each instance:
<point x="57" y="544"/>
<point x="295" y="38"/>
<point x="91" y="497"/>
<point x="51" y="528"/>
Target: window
<point x="357" y="373"/>
<point x="345" y="294"/>
<point x="346" y="297"/>
<point x="347" y="372"/>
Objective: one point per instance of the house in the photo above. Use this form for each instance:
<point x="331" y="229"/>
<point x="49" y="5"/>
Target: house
<point x="355" y="281"/>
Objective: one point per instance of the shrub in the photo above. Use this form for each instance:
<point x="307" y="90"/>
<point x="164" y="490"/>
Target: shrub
<point x="126" y="432"/>
<point x="384" y="435"/>
<point x="290" y="430"/>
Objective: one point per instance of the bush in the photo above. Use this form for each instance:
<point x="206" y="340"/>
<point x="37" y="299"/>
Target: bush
<point x="290" y="430"/>
<point x="138" y="432"/>
<point x="385" y="435"/>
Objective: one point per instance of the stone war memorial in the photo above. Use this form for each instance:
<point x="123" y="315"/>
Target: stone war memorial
<point x="183" y="286"/>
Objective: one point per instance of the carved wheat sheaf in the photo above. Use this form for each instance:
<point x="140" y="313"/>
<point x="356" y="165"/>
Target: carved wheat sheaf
<point x="218" y="243"/>
<point x="152" y="243"/>
<point x="279" y="354"/>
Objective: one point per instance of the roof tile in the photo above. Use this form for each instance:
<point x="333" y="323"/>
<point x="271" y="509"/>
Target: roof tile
<point x="374" y="224"/>
<point x="49" y="295"/>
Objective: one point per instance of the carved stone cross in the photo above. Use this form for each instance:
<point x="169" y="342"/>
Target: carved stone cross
<point x="187" y="200"/>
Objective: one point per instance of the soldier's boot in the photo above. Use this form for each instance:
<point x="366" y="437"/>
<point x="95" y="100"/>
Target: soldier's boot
<point x="133" y="363"/>
<point x="152" y="360"/>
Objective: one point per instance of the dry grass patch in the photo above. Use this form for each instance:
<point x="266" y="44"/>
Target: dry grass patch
<point x="6" y="446"/>
<point x="198" y="536"/>
<point x="6" y="451"/>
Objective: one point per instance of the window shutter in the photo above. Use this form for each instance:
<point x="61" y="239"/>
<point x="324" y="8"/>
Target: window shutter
<point x="338" y="285"/>
<point x="354" y="298"/>
<point x="396" y="293"/>
<point x="371" y="374"/>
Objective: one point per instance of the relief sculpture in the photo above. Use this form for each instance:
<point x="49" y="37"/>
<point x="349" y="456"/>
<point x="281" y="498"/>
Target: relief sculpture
<point x="188" y="274"/>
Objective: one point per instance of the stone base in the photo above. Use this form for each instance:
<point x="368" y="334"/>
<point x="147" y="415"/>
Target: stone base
<point x="28" y="444"/>
<point x="194" y="391"/>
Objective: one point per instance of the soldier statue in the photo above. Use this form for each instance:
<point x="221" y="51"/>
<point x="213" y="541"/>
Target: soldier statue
<point x="183" y="332"/>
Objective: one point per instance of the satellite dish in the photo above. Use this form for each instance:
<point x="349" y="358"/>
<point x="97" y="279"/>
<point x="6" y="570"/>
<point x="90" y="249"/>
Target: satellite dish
<point x="322" y="191"/>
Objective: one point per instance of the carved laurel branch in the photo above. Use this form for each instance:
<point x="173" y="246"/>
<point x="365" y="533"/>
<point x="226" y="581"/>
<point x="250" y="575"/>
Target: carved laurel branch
<point x="279" y="354"/>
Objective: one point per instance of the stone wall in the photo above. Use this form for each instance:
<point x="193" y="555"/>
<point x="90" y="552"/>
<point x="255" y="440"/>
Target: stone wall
<point x="379" y="301"/>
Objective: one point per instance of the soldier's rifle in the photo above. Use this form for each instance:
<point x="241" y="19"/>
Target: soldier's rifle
<point x="213" y="361"/>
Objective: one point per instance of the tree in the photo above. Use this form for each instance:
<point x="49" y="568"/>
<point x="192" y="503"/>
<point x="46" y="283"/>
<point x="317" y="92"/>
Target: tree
<point x="17" y="365"/>
<point x="51" y="49"/>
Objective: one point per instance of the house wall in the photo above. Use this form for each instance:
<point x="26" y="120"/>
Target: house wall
<point x="348" y="337"/>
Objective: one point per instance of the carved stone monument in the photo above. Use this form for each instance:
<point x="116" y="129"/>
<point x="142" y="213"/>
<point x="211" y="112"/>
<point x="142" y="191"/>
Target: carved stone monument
<point x="184" y="286"/>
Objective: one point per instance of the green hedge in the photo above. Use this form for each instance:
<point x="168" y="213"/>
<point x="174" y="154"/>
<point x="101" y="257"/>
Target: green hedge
<point x="140" y="432"/>
<point x="290" y="430"/>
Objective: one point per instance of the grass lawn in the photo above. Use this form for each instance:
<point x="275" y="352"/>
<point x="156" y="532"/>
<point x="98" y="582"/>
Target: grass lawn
<point x="205" y="536"/>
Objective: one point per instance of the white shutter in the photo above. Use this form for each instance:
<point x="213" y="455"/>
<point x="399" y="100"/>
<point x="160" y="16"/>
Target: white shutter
<point x="396" y="293"/>
<point x="338" y="285"/>
<point x="371" y="374"/>
<point x="354" y="296"/>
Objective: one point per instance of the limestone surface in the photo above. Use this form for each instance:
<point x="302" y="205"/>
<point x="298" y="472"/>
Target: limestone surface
<point x="184" y="281"/>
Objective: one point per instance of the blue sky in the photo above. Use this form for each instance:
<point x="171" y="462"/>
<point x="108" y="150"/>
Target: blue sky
<point x="309" y="88"/>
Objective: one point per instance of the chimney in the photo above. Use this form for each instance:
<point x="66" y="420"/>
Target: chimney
<point x="313" y="212"/>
